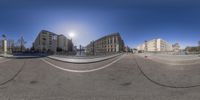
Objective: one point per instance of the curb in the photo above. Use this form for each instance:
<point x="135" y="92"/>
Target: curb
<point x="85" y="62"/>
<point x="20" y="57"/>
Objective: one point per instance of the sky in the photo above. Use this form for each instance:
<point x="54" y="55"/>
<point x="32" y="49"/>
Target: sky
<point x="136" y="20"/>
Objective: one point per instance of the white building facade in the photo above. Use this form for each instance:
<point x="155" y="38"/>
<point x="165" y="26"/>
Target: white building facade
<point x="155" y="45"/>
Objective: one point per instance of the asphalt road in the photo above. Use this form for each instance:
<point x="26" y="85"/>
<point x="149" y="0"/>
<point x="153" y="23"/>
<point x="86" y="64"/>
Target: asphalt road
<point x="126" y="78"/>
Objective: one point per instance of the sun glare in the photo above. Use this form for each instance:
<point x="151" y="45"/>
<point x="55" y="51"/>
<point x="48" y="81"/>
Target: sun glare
<point x="71" y="35"/>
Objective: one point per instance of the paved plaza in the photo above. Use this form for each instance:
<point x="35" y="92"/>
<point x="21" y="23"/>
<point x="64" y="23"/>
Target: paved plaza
<point x="172" y="59"/>
<point x="124" y="77"/>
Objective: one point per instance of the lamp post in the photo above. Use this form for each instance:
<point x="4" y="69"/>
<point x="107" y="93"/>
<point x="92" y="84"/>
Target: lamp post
<point x="4" y="44"/>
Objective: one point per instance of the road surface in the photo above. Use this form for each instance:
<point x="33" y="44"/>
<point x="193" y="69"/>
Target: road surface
<point x="128" y="77"/>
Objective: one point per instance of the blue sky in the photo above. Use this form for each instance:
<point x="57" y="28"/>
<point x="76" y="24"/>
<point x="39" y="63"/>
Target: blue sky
<point x="136" y="20"/>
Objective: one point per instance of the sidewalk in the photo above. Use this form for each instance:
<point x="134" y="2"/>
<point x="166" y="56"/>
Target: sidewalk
<point x="13" y="56"/>
<point x="81" y="57"/>
<point x="5" y="55"/>
<point x="83" y="60"/>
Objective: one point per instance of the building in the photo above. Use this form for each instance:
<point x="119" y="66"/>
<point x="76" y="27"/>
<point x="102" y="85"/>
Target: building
<point x="193" y="50"/>
<point x="70" y="46"/>
<point x="155" y="45"/>
<point x="141" y="47"/>
<point x="62" y="43"/>
<point x="51" y="42"/>
<point x="176" y="47"/>
<point x="199" y="43"/>
<point x="128" y="49"/>
<point x="111" y="43"/>
<point x="46" y="42"/>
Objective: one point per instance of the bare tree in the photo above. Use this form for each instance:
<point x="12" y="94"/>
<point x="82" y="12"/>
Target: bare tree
<point x="4" y="36"/>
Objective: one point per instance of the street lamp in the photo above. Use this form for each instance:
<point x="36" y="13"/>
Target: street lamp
<point x="4" y="44"/>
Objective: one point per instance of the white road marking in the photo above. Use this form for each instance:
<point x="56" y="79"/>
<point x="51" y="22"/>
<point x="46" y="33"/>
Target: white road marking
<point x="82" y="71"/>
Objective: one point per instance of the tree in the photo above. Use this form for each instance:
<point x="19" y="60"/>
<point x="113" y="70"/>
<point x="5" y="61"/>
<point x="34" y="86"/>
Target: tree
<point x="21" y="44"/>
<point x="4" y="36"/>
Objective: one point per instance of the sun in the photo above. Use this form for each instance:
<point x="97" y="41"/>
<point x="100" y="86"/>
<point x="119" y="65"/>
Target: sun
<point x="71" y="34"/>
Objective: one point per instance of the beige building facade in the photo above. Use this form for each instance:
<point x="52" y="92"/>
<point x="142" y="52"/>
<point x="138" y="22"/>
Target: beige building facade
<point x="155" y="45"/>
<point x="62" y="42"/>
<point x="108" y="44"/>
<point x="50" y="42"/>
<point x="46" y="42"/>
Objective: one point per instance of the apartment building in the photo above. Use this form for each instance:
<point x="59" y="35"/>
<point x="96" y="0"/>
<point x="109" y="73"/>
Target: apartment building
<point x="51" y="42"/>
<point x="141" y="47"/>
<point x="46" y="42"/>
<point x="111" y="43"/>
<point x="62" y="43"/>
<point x="155" y="45"/>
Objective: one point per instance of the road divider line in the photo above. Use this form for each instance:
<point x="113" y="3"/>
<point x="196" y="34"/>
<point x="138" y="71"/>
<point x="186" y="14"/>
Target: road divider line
<point x="82" y="71"/>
